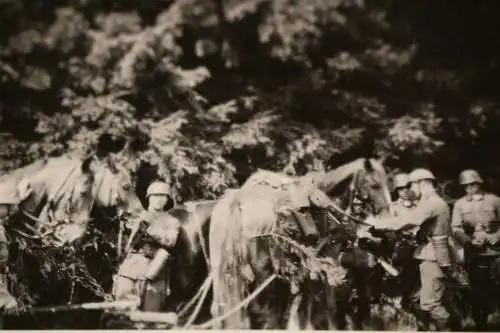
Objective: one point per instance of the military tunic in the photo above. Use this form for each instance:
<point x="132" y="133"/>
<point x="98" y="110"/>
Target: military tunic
<point x="472" y="215"/>
<point x="131" y="280"/>
<point x="432" y="214"/>
<point x="474" y="219"/>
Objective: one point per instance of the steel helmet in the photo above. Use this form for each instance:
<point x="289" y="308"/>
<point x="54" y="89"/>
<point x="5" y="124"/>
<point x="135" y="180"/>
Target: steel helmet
<point x="421" y="174"/>
<point x="158" y="188"/>
<point x="469" y="177"/>
<point x="401" y="180"/>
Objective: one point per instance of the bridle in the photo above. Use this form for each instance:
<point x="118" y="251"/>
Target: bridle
<point x="353" y="192"/>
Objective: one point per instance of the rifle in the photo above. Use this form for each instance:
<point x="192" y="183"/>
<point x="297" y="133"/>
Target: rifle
<point x="370" y="246"/>
<point x="115" y="305"/>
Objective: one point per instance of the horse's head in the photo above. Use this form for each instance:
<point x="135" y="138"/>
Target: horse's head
<point x="371" y="182"/>
<point x="364" y="177"/>
<point x="56" y="190"/>
<point x="73" y="189"/>
<point x="115" y="190"/>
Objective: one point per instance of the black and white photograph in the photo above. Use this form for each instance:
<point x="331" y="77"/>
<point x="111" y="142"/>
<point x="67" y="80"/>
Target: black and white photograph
<point x="250" y="164"/>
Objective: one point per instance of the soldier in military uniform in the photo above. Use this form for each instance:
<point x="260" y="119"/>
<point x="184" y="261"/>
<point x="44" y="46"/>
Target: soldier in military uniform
<point x="404" y="202"/>
<point x="144" y="273"/>
<point x="432" y="215"/>
<point x="474" y="226"/>
<point x="360" y="264"/>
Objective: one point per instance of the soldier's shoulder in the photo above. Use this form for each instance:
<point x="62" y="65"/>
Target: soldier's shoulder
<point x="491" y="197"/>
<point x="437" y="199"/>
<point x="437" y="202"/>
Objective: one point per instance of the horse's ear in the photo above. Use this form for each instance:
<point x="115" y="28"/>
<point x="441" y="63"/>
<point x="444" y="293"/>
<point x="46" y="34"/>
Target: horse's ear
<point x="368" y="165"/>
<point x="87" y="163"/>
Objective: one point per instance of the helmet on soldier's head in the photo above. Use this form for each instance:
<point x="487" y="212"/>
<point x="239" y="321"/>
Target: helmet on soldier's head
<point x="469" y="177"/>
<point x="158" y="188"/>
<point x="421" y="174"/>
<point x="401" y="180"/>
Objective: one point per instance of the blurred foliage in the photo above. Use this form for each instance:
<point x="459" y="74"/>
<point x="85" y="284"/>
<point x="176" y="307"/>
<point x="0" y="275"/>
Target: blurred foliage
<point x="208" y="91"/>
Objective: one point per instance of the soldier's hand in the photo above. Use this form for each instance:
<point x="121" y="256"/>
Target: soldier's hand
<point x="493" y="239"/>
<point x="147" y="216"/>
<point x="477" y="243"/>
<point x="379" y="233"/>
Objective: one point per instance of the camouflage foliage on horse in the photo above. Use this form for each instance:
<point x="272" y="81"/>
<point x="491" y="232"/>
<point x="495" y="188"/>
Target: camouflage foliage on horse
<point x="271" y="204"/>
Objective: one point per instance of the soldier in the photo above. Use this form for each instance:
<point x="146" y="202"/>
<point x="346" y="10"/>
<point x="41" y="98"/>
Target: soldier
<point x="360" y="265"/>
<point x="404" y="202"/>
<point x="432" y="214"/>
<point x="474" y="227"/>
<point x="144" y="273"/>
<point x="7" y="302"/>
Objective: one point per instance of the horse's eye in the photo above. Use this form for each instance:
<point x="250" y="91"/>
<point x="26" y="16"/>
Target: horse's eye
<point x="376" y="186"/>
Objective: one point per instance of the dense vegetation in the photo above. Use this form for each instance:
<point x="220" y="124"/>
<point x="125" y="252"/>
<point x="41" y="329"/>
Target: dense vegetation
<point x="208" y="91"/>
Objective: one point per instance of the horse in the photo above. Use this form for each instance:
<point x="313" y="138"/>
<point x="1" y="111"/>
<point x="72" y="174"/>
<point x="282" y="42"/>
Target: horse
<point x="55" y="202"/>
<point x="191" y="264"/>
<point x="243" y="214"/>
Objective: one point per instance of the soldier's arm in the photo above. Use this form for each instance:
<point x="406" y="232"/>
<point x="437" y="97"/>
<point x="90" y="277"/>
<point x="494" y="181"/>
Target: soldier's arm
<point x="494" y="237"/>
<point x="414" y="218"/>
<point x="457" y="226"/>
<point x="439" y="232"/>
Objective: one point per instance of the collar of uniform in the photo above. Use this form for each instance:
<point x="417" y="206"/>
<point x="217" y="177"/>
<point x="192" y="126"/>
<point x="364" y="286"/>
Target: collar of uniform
<point x="475" y="197"/>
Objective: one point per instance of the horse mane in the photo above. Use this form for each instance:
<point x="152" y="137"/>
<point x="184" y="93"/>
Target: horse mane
<point x="9" y="181"/>
<point x="106" y="187"/>
<point x="109" y="185"/>
<point x="53" y="178"/>
<point x="331" y="180"/>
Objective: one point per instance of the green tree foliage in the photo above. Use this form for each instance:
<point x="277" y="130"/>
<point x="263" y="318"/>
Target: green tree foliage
<point x="210" y="90"/>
